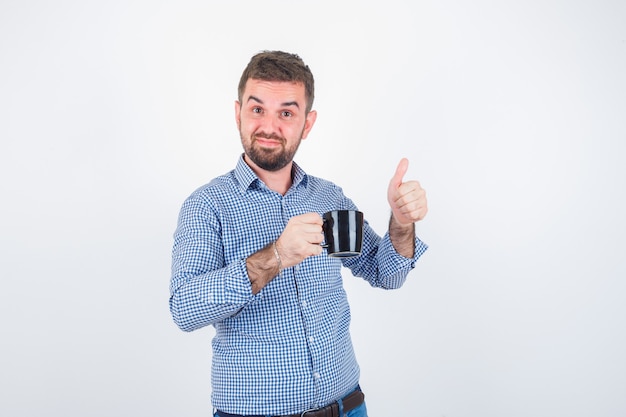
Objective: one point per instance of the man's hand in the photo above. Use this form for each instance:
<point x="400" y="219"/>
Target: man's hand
<point x="300" y="239"/>
<point x="406" y="199"/>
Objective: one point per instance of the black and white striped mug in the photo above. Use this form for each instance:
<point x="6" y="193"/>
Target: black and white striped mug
<point x="343" y="233"/>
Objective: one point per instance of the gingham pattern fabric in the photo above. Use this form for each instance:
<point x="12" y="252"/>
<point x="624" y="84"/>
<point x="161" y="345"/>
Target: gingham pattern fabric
<point x="288" y="348"/>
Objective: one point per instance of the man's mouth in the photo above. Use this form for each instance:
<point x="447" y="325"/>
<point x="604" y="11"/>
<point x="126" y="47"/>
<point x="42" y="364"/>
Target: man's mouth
<point x="268" y="141"/>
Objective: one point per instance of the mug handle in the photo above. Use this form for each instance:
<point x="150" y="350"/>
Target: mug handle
<point x="324" y="244"/>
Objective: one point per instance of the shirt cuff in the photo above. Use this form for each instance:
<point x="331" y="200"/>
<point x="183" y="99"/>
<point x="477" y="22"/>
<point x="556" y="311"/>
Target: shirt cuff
<point x="392" y="262"/>
<point x="235" y="287"/>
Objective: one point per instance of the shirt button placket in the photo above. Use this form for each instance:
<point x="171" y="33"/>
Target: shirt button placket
<point x="284" y="210"/>
<point x="311" y="339"/>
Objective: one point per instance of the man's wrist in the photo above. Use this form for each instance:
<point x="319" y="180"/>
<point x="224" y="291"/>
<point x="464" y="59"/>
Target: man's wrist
<point x="402" y="237"/>
<point x="262" y="267"/>
<point x="277" y="255"/>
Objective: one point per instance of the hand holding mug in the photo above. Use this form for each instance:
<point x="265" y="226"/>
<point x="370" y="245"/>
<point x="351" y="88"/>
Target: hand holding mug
<point x="300" y="239"/>
<point x="406" y="199"/>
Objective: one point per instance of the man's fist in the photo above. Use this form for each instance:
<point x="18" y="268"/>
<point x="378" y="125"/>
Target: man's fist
<point x="406" y="199"/>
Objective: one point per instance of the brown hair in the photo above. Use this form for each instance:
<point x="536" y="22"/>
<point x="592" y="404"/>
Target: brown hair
<point x="279" y="66"/>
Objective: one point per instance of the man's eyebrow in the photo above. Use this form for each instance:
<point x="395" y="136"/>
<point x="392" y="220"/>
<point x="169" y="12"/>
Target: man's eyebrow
<point x="285" y="104"/>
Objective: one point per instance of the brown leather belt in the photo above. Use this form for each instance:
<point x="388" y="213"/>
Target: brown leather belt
<point x="350" y="402"/>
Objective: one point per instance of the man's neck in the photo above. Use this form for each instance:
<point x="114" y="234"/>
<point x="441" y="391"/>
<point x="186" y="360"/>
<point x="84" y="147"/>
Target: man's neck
<point x="279" y="181"/>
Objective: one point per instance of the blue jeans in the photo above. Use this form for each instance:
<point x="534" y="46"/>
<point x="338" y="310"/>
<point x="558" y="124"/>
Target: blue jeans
<point x="360" y="411"/>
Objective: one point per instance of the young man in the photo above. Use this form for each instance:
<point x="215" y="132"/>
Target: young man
<point x="247" y="259"/>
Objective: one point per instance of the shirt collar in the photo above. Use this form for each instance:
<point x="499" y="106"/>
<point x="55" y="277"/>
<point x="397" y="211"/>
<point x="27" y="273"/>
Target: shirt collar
<point x="246" y="177"/>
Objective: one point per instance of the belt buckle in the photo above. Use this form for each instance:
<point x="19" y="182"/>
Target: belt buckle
<point x="308" y="411"/>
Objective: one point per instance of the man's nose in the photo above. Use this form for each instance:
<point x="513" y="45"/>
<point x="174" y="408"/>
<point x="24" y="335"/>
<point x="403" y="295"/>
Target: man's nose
<point x="270" y="124"/>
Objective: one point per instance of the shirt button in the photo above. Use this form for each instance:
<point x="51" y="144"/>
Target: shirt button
<point x="304" y="303"/>
<point x="316" y="375"/>
<point x="311" y="339"/>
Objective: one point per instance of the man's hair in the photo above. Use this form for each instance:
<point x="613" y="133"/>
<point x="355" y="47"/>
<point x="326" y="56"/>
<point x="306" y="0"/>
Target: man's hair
<point x="279" y="66"/>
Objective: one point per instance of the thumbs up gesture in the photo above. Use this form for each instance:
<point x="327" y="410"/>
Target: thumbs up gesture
<point x="406" y="199"/>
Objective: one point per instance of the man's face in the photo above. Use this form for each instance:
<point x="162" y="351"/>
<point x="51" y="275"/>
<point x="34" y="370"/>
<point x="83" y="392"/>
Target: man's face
<point x="272" y="122"/>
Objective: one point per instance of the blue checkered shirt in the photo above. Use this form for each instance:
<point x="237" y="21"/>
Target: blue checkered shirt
<point x="287" y="348"/>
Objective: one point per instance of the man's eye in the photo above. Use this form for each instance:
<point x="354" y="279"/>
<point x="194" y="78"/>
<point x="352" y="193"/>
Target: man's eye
<point x="256" y="110"/>
<point x="287" y="114"/>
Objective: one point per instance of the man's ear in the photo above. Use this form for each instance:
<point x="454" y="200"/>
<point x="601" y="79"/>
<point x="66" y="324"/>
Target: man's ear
<point x="238" y="114"/>
<point x="308" y="123"/>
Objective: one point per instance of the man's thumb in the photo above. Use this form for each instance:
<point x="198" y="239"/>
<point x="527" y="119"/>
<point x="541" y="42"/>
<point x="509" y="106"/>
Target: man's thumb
<point x="403" y="166"/>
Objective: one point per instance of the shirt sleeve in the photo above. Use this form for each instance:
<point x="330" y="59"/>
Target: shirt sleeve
<point x="203" y="289"/>
<point x="380" y="264"/>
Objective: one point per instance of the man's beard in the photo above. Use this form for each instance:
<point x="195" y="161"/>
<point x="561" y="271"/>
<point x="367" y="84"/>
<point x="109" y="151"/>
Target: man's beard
<point x="269" y="159"/>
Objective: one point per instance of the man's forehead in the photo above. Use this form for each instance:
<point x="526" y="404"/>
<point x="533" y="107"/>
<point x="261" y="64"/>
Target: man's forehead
<point x="260" y="90"/>
<point x="254" y="83"/>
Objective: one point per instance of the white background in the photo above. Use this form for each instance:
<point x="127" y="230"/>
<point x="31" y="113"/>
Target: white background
<point x="513" y="117"/>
